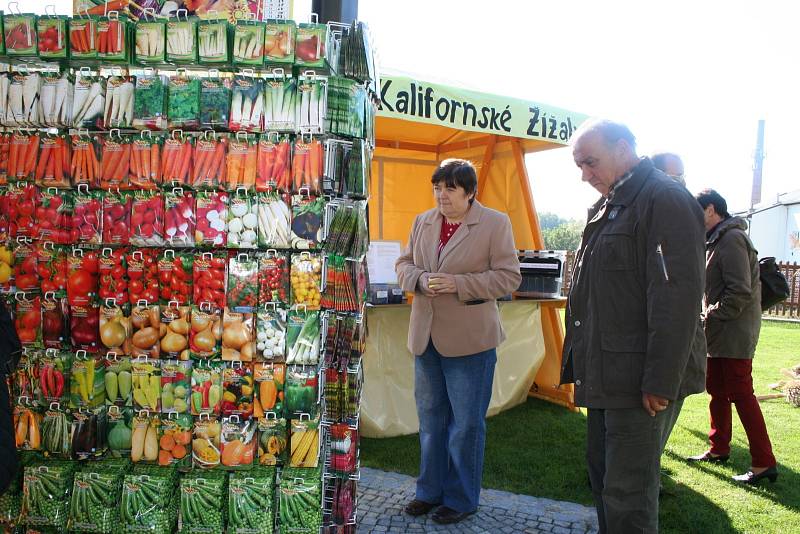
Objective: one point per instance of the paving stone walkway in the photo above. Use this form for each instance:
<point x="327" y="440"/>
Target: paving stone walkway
<point x="382" y="496"/>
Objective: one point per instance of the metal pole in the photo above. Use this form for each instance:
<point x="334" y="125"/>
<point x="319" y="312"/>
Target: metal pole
<point x="758" y="166"/>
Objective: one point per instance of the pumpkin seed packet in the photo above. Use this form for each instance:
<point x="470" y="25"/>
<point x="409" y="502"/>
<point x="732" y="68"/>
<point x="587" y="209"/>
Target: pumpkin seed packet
<point x="175" y="444"/>
<point x="238" y="442"/>
<point x="120" y="431"/>
<point x="273" y="440"/>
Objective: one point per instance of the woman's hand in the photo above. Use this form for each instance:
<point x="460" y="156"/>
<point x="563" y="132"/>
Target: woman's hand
<point x="424" y="287"/>
<point x="442" y="283"/>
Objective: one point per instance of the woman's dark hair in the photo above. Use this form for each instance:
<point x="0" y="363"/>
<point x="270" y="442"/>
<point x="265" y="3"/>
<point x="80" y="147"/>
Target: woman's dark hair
<point x="457" y="173"/>
<point x="708" y="197"/>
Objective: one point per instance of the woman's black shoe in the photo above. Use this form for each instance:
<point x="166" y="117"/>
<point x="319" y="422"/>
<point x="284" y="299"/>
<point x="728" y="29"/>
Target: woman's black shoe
<point x="708" y="457"/>
<point x="417" y="507"/>
<point x="445" y="516"/>
<point x="752" y="478"/>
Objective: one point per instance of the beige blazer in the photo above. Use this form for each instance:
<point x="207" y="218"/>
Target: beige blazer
<point x="482" y="255"/>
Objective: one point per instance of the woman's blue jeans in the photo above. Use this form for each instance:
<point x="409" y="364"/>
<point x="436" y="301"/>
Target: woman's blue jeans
<point x="452" y="395"/>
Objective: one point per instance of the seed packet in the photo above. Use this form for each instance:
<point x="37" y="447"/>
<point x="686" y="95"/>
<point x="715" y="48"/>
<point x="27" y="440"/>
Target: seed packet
<point x="248" y="43"/>
<point x="146" y="374"/>
<point x="212" y="214"/>
<point x="205" y="333"/>
<point x="241" y="162"/>
<point x="238" y="442"/>
<point x="274" y="216"/>
<point x="144" y="441"/>
<point x="175" y="338"/>
<point x="145" y="171"/>
<point x="52" y="36"/>
<point x="281" y="98"/>
<point x="55" y="101"/>
<point x="306" y="278"/>
<point x="179" y="219"/>
<point x="115" y="328"/>
<point x="242" y="220"/>
<point x="215" y="102"/>
<point x="115" y="161"/>
<point x="87" y="381"/>
<point x="112" y="38"/>
<point x="116" y="216"/>
<point x="89" y="430"/>
<point x="183" y="110"/>
<point x="143" y="275"/>
<point x="55" y="217"/>
<point x="206" y="388"/>
<point x="209" y="279"/>
<point x="120" y="431"/>
<point x="274" y="279"/>
<point x="26" y="266"/>
<point x="181" y="44"/>
<point x="175" y="277"/>
<point x="53" y="269"/>
<point x="118" y="380"/>
<point x="147" y="219"/>
<point x="308" y="230"/>
<point x="237" y="390"/>
<point x="212" y="39"/>
<point x="175" y="386"/>
<point x="53" y="164"/>
<point x="119" y="102"/>
<point x="206" y="444"/>
<point x="243" y="282"/>
<point x="311" y="45"/>
<point x="150" y="101"/>
<point x="238" y="336"/>
<point x="54" y="367"/>
<point x="113" y="271"/>
<point x="176" y="160"/>
<point x="150" y="41"/>
<point x="247" y="104"/>
<point x="305" y="442"/>
<point x="301" y="391"/>
<point x="175" y="445"/>
<point x="20" y="34"/>
<point x="255" y="490"/>
<point x="269" y="379"/>
<point x="28" y="319"/>
<point x="84" y="320"/>
<point x="57" y="431"/>
<point x="209" y="168"/>
<point x="274" y="162"/>
<point x="302" y="337"/>
<point x="146" y="322"/>
<point x="200" y="492"/>
<point x="271" y="334"/>
<point x="273" y="439"/>
<point x="82" y="38"/>
<point x="279" y="38"/>
<point x="88" y="102"/>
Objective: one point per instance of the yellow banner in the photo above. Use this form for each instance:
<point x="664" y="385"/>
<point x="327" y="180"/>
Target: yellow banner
<point x="419" y="101"/>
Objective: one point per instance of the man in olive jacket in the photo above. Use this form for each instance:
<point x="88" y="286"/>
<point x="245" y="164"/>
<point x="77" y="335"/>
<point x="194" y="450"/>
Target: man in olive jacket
<point x="732" y="313"/>
<point x="632" y="319"/>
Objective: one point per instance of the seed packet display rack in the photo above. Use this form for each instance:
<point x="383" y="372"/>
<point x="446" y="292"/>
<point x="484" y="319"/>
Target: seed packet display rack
<point x="187" y="276"/>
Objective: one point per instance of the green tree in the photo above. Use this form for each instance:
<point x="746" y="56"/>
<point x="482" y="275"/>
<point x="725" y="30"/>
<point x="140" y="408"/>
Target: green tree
<point x="550" y="220"/>
<point x="565" y="236"/>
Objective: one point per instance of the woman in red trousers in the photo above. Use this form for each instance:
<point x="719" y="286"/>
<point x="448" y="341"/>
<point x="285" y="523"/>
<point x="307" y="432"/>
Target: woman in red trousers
<point x="732" y="323"/>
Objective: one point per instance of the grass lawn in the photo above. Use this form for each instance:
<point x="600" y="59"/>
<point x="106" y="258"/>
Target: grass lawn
<point x="538" y="449"/>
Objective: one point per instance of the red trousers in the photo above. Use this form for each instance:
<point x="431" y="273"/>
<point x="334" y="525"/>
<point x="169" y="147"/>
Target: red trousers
<point x="730" y="380"/>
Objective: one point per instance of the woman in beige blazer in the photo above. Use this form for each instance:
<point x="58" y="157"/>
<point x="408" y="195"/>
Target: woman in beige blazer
<point x="460" y="258"/>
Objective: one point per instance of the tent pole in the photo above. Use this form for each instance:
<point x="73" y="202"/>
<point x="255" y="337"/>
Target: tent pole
<point x="546" y="384"/>
<point x="486" y="165"/>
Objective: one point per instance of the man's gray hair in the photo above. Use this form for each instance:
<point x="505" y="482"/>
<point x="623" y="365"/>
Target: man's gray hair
<point x="610" y="130"/>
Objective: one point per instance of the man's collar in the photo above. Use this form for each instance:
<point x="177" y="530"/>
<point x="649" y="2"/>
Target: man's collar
<point x="627" y="187"/>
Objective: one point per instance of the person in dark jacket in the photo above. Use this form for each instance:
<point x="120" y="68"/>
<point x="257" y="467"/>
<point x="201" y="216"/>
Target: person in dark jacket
<point x="10" y="348"/>
<point x="732" y="310"/>
<point x="672" y="165"/>
<point x="631" y="320"/>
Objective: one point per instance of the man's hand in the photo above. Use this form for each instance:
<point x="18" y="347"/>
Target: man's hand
<point x="442" y="283"/>
<point x="654" y="403"/>
<point x="424" y="287"/>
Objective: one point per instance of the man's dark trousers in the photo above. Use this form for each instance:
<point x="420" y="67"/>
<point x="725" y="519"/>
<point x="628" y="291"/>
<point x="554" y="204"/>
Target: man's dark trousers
<point x="624" y="457"/>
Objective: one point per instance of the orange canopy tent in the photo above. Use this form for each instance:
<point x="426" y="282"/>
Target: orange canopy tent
<point x="419" y="124"/>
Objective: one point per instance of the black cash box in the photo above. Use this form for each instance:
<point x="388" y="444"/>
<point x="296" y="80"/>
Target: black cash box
<point x="542" y="273"/>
